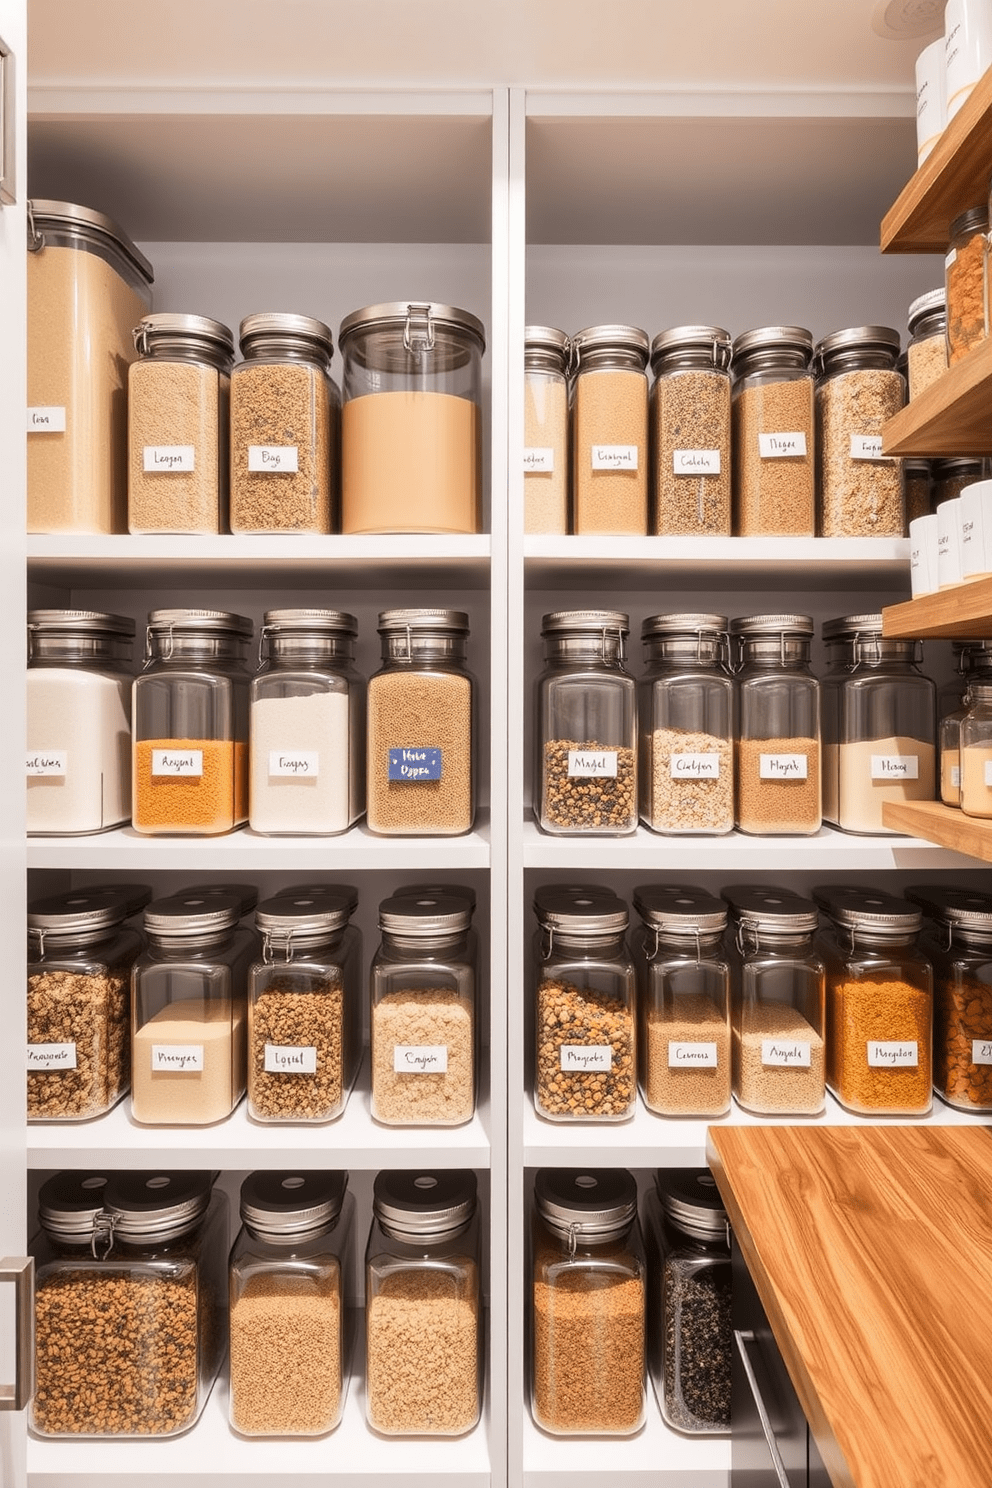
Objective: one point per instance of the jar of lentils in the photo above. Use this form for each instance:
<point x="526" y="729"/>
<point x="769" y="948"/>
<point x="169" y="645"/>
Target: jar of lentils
<point x="927" y="352"/>
<point x="958" y="942"/>
<point x="546" y="357"/>
<point x="773" y="440"/>
<point x="610" y="431"/>
<point x="690" y="432"/>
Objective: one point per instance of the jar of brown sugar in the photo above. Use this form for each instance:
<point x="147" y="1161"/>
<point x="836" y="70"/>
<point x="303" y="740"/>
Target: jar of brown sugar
<point x="858" y="389"/>
<point x="610" y="431"/>
<point x="965" y="279"/>
<point x="778" y="742"/>
<point x="927" y="351"/>
<point x="546" y="358"/>
<point x="958" y="942"/>
<point x="773" y="438"/>
<point x="690" y="432"/>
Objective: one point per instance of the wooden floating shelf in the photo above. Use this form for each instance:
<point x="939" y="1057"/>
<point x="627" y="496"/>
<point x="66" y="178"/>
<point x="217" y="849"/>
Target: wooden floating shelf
<point x="951" y="417"/>
<point x="944" y="825"/>
<point x="965" y="612"/>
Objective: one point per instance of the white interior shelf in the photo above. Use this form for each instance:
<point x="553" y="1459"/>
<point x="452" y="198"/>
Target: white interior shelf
<point x="656" y="1457"/>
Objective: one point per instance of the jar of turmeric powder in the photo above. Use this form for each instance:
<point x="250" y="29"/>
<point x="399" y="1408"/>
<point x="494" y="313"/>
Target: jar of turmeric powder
<point x="959" y="943"/>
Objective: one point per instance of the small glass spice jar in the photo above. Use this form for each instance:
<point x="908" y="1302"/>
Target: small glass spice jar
<point x="610" y="431"/>
<point x="686" y="722"/>
<point x="858" y="389"/>
<point x="289" y="1271"/>
<point x="690" y="1332"/>
<point x="927" y="351"/>
<point x="412" y="419"/>
<point x="423" y="1305"/>
<point x="189" y="1011"/>
<point x="958" y="942"/>
<point x="585" y="1045"/>
<point x="190" y="724"/>
<point x="546" y="358"/>
<point x="421" y="727"/>
<point x="307" y="726"/>
<point x="778" y="744"/>
<point x="772" y="427"/>
<point x="304" y="1007"/>
<point x="130" y="1303"/>
<point x="777" y="977"/>
<point x="285" y="427"/>
<point x="976" y="749"/>
<point x="917" y="486"/>
<point x="178" y="417"/>
<point x="586" y="766"/>
<point x="965" y="276"/>
<point x="587" y="1303"/>
<point x="78" y="722"/>
<point x="683" y="1000"/>
<point x="423" y="1024"/>
<point x="972" y="658"/>
<point x="690" y="432"/>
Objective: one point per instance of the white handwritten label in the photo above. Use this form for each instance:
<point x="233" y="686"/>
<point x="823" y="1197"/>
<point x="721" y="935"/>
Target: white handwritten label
<point x="279" y="457"/>
<point x="956" y="776"/>
<point x="165" y="458"/>
<point x="303" y="763"/>
<point x="538" y="461"/>
<point x="893" y="1053"/>
<point x="177" y="761"/>
<point x="988" y="772"/>
<point x="420" y="1059"/>
<point x="614" y="457"/>
<point x="895" y="767"/>
<point x="46" y="420"/>
<point x="177" y="1057"/>
<point x="290" y="1059"/>
<point x="699" y="1056"/>
<point x="867" y="447"/>
<point x="51" y="1056"/>
<point x="951" y="258"/>
<point x="695" y="766"/>
<point x="785" y="1053"/>
<point x="695" y="462"/>
<point x="788" y="445"/>
<point x="578" y="1057"/>
<point x="47" y="761"/>
<point x="981" y="1051"/>
<point x="782" y="767"/>
<point x="589" y="762"/>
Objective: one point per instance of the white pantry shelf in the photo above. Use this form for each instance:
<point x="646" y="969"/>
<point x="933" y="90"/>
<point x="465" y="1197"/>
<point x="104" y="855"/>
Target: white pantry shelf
<point x="656" y="1457"/>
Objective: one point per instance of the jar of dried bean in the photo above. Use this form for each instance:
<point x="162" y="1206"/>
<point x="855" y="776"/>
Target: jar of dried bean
<point x="686" y="712"/>
<point x="965" y="280"/>
<point x="610" y="431"/>
<point x="858" y="389"/>
<point x="178" y="416"/>
<point x="976" y="750"/>
<point x="690" y="1334"/>
<point x="289" y="1272"/>
<point x="424" y="1013"/>
<point x="304" y="1007"/>
<point x="778" y="745"/>
<point x="190" y="1010"/>
<point x="423" y="1305"/>
<point x="773" y="442"/>
<point x="585" y="1044"/>
<point x="546" y="358"/>
<point x="421" y="727"/>
<point x="690" y="432"/>
<point x="927" y="352"/>
<point x="917" y="486"/>
<point x="777" y="978"/>
<point x="80" y="955"/>
<point x="190" y="710"/>
<point x="587" y="1303"/>
<point x="130" y="1303"/>
<point x="285" y="427"/>
<point x="412" y="419"/>
<point x="78" y="722"/>
<point x="683" y="1000"/>
<point x="958" y="942"/>
<point x="586" y="766"/>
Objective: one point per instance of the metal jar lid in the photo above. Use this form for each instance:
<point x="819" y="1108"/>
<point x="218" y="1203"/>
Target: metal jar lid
<point x="859" y="338"/>
<point x="956" y="466"/>
<point x="292" y="1207"/>
<point x="167" y="331"/>
<point x="594" y="912"/>
<point x="753" y="626"/>
<point x="84" y="912"/>
<point x="965" y="909"/>
<point x="933" y="303"/>
<point x="245" y="893"/>
<point x="69" y="1202"/>
<point x="974" y="220"/>
<point x="691" y="1199"/>
<point x="546" y="344"/>
<point x="437" y="890"/>
<point x="585" y="622"/>
<point x="321" y="622"/>
<point x="275" y="325"/>
<point x="304" y="917"/>
<point x="81" y="622"/>
<point x="421" y="315"/>
<point x="773" y="338"/>
<point x="600" y="338"/>
<point x="681" y="909"/>
<point x="452" y="622"/>
<point x="846" y="627"/>
<point x="426" y="916"/>
<point x="135" y="895"/>
<point x="590" y="1205"/>
<point x="192" y="916"/>
<point x="770" y="909"/>
<point x="671" y="344"/>
<point x="196" y="622"/>
<point x="683" y="625"/>
<point x="155" y="1206"/>
<point x="347" y="892"/>
<point x="96" y="227"/>
<point x="855" y="907"/>
<point x="550" y="894"/>
<point x="417" y="1208"/>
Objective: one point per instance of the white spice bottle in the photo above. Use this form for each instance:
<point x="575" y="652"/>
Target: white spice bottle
<point x="610" y="431"/>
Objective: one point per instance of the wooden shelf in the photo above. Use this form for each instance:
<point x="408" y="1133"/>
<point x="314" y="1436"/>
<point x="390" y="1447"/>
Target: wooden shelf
<point x="951" y="417"/>
<point x="954" y="177"/>
<point x="964" y="611"/>
<point x="944" y="825"/>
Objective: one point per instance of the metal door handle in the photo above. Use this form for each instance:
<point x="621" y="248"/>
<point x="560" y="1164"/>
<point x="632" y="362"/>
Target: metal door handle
<point x="7" y="114"/>
<point x="742" y="1339"/>
<point x="20" y="1270"/>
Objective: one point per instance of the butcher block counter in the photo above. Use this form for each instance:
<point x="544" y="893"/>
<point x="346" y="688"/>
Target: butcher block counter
<point x="871" y="1250"/>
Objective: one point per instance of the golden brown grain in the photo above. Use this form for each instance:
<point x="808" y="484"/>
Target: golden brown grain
<point x="286" y="1355"/>
<point x="861" y="1009"/>
<point x="611" y="408"/>
<point x="214" y="802"/>
<point x="770" y="806"/>
<point x="793" y="1090"/>
<point x="419" y="1017"/>
<point x="93" y="1013"/>
<point x="285" y="403"/>
<point x="582" y="1016"/>
<point x="423" y="1353"/>
<point x="172" y="403"/>
<point x="694" y="1090"/>
<point x="773" y="497"/>
<point x="690" y="411"/>
<point x="858" y="498"/>
<point x="417" y="710"/>
<point x="286" y="1012"/>
<point x="962" y="1018"/>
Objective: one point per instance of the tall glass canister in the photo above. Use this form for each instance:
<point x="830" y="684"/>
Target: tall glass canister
<point x="778" y="742"/>
<point x="773" y="437"/>
<point x="690" y="432"/>
<point x="958" y="942"/>
<point x="976" y="749"/>
<point x="546" y="358"/>
<point x="927" y="326"/>
<point x="610" y="431"/>
<point x="858" y="389"/>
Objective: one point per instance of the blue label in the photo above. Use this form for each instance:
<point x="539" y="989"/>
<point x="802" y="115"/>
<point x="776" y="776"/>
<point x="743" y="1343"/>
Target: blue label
<point x="414" y="764"/>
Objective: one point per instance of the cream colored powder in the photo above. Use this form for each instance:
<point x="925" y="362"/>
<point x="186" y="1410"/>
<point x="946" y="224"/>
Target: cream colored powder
<point x="611" y="408"/>
<point x="190" y="1097"/>
<point x="976" y="792"/>
<point x="411" y="462"/>
<point x="546" y="428"/>
<point x="861" y="798"/>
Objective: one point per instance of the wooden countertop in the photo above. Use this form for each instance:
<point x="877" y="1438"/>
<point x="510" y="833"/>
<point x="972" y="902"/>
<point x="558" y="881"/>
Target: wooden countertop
<point x="871" y="1249"/>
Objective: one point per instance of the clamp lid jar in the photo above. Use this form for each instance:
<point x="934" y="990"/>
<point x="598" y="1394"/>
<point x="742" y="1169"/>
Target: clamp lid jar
<point x="858" y="389"/>
<point x="958" y="942"/>
<point x="965" y="282"/>
<point x="927" y="351"/>
<point x="778" y="749"/>
<point x="610" y="430"/>
<point x="547" y="353"/>
<point x="690" y="432"/>
<point x="773" y="433"/>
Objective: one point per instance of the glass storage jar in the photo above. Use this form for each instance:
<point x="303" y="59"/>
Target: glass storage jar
<point x="916" y="482"/>
<point x="690" y="1333"/>
<point x="412" y="419"/>
<point x="690" y="432"/>
<point x="421" y="727"/>
<point x="423" y="1034"/>
<point x="285" y="427"/>
<point x="965" y="282"/>
<point x="879" y="1002"/>
<point x="610" y="431"/>
<point x="80" y="955"/>
<point x="304" y="1007"/>
<point x="778" y="743"/>
<point x="78" y="722"/>
<point x="927" y="352"/>
<point x="289" y="1273"/>
<point x="88" y="286"/>
<point x="858" y="389"/>
<point x="958" y="942"/>
<point x="190" y="724"/>
<point x="546" y="359"/>
<point x="587" y="1303"/>
<point x="307" y="769"/>
<point x="777" y="978"/>
<point x="976" y="749"/>
<point x="130" y="1303"/>
<point x="686" y="722"/>
<point x="772" y="429"/>
<point x="951" y="476"/>
<point x="585" y="1043"/>
<point x="189" y="991"/>
<point x="178" y="417"/>
<point x="586" y="765"/>
<point x="683" y="1000"/>
<point x="972" y="658"/>
<point x="423" y="1305"/>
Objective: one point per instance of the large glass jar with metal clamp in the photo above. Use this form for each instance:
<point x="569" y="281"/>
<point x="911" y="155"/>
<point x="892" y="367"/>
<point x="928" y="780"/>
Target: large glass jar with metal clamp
<point x="971" y="658"/>
<point x="686" y="724"/>
<point x="610" y="431"/>
<point x="683" y="1000"/>
<point x="130" y="1303"/>
<point x="976" y="749"/>
<point x="778" y="743"/>
<point x="773" y="438"/>
<point x="858" y="388"/>
<point x="190" y="724"/>
<point x="412" y="418"/>
<point x="304" y="1007"/>
<point x="307" y="726"/>
<point x="958" y="943"/>
<point x="546" y="358"/>
<point x="587" y="1303"/>
<point x="289" y="1274"/>
<point x="585" y="780"/>
<point x="690" y="432"/>
<point x="778" y="1009"/>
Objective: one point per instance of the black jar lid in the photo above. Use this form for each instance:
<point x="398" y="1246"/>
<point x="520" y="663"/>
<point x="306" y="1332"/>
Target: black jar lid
<point x="595" y="1205"/>
<point x="292" y="1206"/>
<point x="967" y="909"/>
<point x="156" y="1206"/>
<point x="69" y="1202"/>
<point x="691" y="1199"/>
<point x="416" y="1207"/>
<point x="245" y="893"/>
<point x="77" y="911"/>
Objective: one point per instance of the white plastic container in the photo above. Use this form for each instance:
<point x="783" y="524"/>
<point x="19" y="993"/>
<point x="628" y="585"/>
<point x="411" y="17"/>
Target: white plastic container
<point x="976" y="530"/>
<point x="931" y="108"/>
<point x="923" y="555"/>
<point x="949" y="543"/>
<point x="967" y="49"/>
